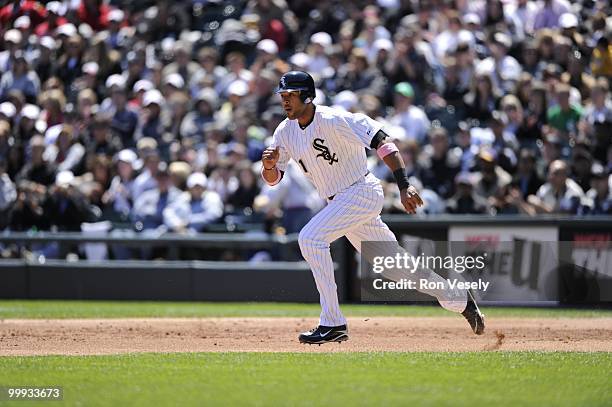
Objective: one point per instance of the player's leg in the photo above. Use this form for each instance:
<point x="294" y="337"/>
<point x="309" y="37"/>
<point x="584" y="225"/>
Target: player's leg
<point x="456" y="300"/>
<point x="349" y="209"/>
<point x="376" y="231"/>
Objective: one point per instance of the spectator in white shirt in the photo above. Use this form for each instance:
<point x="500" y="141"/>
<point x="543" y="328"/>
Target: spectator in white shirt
<point x="412" y="118"/>
<point x="195" y="209"/>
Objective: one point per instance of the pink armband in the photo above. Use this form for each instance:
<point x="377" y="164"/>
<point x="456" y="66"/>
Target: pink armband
<point x="386" y="149"/>
<point x="276" y="180"/>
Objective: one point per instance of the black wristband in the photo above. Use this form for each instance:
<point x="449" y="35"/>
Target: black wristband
<point x="401" y="178"/>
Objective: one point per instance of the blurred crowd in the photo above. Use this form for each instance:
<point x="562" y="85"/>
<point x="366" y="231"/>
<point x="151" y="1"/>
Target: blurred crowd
<point x="152" y="115"/>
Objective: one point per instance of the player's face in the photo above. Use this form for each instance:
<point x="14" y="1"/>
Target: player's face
<point x="292" y="104"/>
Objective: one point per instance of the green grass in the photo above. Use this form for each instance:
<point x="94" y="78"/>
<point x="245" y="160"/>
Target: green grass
<point x="124" y="309"/>
<point x="428" y="379"/>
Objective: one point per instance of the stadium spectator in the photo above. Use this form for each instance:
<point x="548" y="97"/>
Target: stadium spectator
<point x="411" y="118"/>
<point x="599" y="196"/>
<point x="66" y="207"/>
<point x="148" y="209"/>
<point x="440" y="164"/>
<point x="560" y="194"/>
<point x="37" y="169"/>
<point x="465" y="200"/>
<point x="195" y="209"/>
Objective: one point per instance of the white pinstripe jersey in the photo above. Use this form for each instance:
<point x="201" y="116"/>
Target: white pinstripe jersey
<point x="331" y="150"/>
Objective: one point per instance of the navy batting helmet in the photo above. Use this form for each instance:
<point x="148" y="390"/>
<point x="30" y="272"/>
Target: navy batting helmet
<point x="298" y="81"/>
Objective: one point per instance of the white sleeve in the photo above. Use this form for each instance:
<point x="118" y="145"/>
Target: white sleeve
<point x="358" y="128"/>
<point x="284" y="157"/>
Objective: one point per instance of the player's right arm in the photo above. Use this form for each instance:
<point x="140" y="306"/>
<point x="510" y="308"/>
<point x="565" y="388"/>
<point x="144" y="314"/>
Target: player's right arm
<point x="274" y="162"/>
<point x="269" y="171"/>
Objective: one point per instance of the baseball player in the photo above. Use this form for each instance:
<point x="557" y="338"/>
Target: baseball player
<point x="330" y="147"/>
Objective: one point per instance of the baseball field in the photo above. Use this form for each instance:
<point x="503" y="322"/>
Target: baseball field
<point x="159" y="353"/>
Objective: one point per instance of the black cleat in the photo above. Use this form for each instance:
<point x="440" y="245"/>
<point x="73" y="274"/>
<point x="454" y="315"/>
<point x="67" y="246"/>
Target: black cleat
<point x="324" y="334"/>
<point x="473" y="315"/>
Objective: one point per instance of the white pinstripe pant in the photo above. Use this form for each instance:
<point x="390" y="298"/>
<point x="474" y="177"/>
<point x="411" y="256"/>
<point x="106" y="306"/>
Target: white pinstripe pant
<point x="355" y="213"/>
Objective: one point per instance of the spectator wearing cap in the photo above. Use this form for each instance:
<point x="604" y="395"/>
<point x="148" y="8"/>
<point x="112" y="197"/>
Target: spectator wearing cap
<point x="123" y="118"/>
<point x="361" y="78"/>
<point x="13" y="40"/>
<point x="564" y="116"/>
<point x="150" y="124"/>
<point x="37" y="169"/>
<point x="119" y="195"/>
<point x="149" y="159"/>
<point x="491" y="177"/>
<point x="209" y="74"/>
<point x="530" y="61"/>
<point x="137" y="69"/>
<point x="21" y="77"/>
<point x="411" y="118"/>
<point x="319" y="42"/>
<point x="511" y="107"/>
<point x="527" y="180"/>
<point x="181" y="64"/>
<point x="235" y="63"/>
<point x="440" y="164"/>
<point x="101" y="139"/>
<point x="204" y="107"/>
<point x="446" y="41"/>
<point x="26" y="127"/>
<point x="70" y="64"/>
<point x="504" y="142"/>
<point x="465" y="200"/>
<point x="195" y="209"/>
<point x="172" y="117"/>
<point x="116" y="19"/>
<point x="44" y="63"/>
<point x="266" y="57"/>
<point x="599" y="196"/>
<point x="172" y="84"/>
<point x="54" y="19"/>
<point x="237" y="92"/>
<point x="66" y="152"/>
<point x="138" y="90"/>
<point x="149" y="206"/>
<point x="15" y="9"/>
<point x="560" y="194"/>
<point x="580" y="166"/>
<point x="66" y="207"/>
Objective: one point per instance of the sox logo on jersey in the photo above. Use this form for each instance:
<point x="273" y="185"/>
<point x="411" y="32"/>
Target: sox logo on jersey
<point x="319" y="145"/>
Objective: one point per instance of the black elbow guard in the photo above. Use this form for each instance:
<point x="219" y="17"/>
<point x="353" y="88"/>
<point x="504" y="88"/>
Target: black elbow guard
<point x="377" y="139"/>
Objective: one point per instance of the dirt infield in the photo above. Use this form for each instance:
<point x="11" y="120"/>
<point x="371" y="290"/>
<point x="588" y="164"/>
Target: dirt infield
<point x="113" y="336"/>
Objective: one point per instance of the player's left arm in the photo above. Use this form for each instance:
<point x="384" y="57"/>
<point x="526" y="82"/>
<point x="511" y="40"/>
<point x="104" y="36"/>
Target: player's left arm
<point x="389" y="153"/>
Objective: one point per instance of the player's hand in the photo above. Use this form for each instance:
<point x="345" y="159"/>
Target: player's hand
<point x="410" y="199"/>
<point x="270" y="157"/>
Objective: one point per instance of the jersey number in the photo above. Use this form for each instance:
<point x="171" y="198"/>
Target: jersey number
<point x="303" y="166"/>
